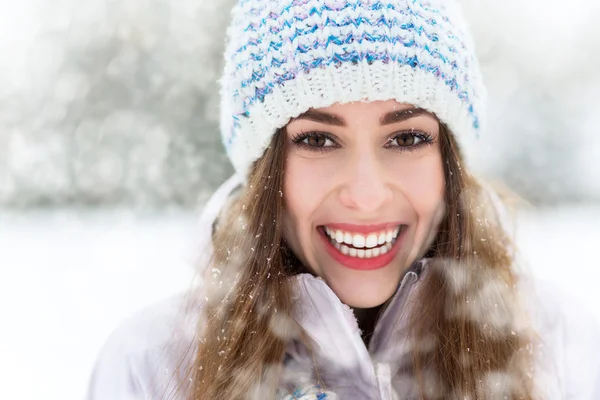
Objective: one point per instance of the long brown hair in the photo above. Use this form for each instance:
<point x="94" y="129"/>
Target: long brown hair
<point x="240" y="354"/>
<point x="478" y="344"/>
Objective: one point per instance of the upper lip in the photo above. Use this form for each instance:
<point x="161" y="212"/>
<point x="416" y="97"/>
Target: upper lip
<point x="368" y="228"/>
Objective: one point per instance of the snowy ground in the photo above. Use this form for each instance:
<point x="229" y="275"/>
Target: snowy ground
<point x="67" y="279"/>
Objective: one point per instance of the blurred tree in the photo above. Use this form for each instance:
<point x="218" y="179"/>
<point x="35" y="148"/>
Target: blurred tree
<point x="129" y="114"/>
<point x="116" y="102"/>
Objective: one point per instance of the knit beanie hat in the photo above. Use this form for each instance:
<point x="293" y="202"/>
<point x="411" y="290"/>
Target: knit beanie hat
<point x="284" y="57"/>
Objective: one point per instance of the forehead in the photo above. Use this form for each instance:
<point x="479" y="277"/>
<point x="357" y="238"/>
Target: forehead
<point x="366" y="112"/>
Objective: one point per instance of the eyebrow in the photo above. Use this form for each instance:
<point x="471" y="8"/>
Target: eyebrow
<point x="392" y="117"/>
<point x="402" y="115"/>
<point x="322" y="117"/>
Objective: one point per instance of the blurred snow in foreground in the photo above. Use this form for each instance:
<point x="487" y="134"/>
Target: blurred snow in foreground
<point x="68" y="278"/>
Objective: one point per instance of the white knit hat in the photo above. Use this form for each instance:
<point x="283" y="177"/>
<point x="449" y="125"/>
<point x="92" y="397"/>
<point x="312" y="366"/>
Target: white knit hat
<point x="287" y="56"/>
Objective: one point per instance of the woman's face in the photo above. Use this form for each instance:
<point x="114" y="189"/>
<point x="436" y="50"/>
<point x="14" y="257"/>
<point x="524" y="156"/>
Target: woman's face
<point x="364" y="194"/>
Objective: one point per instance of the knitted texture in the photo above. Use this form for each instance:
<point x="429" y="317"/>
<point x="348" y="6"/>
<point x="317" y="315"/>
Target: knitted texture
<point x="284" y="57"/>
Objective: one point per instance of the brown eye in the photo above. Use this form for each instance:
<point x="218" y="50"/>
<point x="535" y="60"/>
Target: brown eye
<point x="406" y="140"/>
<point x="409" y="140"/>
<point x="316" y="140"/>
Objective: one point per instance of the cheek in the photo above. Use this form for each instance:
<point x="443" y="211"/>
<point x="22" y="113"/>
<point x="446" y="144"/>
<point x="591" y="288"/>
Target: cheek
<point x="307" y="179"/>
<point x="306" y="182"/>
<point x="422" y="181"/>
<point x="426" y="187"/>
<point x="298" y="188"/>
<point x="423" y="185"/>
<point x="301" y="198"/>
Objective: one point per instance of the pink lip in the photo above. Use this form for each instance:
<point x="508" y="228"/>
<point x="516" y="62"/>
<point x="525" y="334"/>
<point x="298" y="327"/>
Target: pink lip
<point x="362" y="264"/>
<point x="352" y="228"/>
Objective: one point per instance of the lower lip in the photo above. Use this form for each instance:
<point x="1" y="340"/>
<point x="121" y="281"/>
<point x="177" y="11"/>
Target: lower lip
<point x="362" y="264"/>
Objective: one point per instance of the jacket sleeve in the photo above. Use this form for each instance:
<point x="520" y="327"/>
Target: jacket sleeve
<point x="114" y="376"/>
<point x="142" y="358"/>
<point x="123" y="370"/>
<point x="570" y="335"/>
<point x="581" y="341"/>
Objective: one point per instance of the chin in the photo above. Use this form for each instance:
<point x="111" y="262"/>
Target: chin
<point x="363" y="289"/>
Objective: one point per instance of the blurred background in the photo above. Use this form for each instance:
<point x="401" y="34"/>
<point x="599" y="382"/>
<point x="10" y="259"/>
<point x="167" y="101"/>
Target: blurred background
<point x="109" y="147"/>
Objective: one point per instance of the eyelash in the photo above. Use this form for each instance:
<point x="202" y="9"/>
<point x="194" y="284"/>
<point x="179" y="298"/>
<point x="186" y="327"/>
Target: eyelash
<point x="298" y="139"/>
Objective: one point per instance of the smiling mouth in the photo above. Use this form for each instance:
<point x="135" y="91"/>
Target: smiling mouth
<point x="362" y="246"/>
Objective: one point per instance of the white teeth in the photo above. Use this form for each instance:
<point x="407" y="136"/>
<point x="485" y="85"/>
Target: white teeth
<point x="361" y="253"/>
<point x="371" y="240"/>
<point x="358" y="241"/>
<point x="348" y="238"/>
<point x="361" y="246"/>
<point x="389" y="236"/>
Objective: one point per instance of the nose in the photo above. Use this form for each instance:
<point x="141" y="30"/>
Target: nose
<point x="366" y="186"/>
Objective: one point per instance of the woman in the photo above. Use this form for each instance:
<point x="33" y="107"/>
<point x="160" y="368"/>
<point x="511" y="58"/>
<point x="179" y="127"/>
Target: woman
<point x="359" y="258"/>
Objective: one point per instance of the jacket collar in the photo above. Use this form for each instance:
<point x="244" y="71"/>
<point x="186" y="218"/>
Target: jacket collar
<point x="393" y="320"/>
<point x="337" y="350"/>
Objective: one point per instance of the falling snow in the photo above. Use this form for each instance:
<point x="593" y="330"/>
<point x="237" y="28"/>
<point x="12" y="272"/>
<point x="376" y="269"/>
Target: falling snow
<point x="114" y="105"/>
